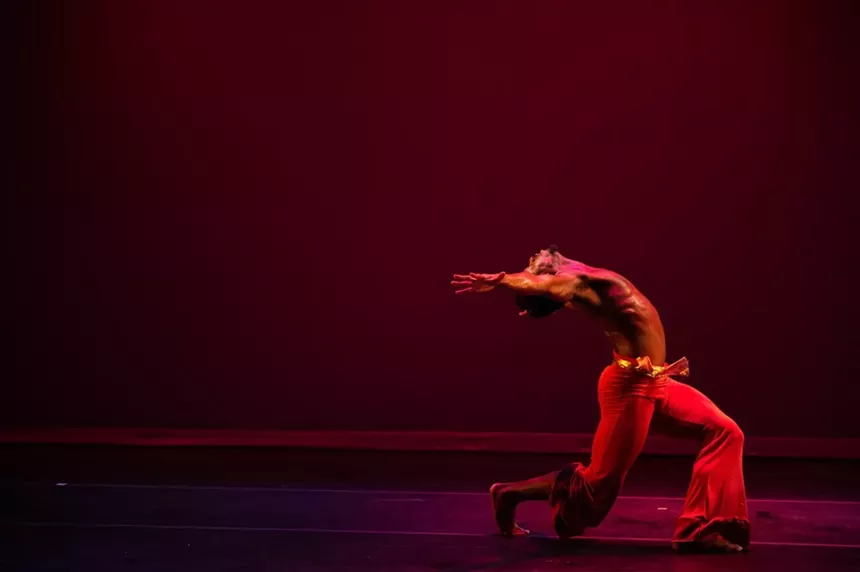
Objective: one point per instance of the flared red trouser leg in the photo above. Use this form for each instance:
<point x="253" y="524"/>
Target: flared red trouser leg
<point x="716" y="499"/>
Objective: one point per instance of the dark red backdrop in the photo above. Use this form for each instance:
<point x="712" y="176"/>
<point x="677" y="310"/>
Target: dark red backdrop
<point x="246" y="214"/>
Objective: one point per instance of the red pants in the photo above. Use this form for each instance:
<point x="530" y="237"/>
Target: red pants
<point x="716" y="500"/>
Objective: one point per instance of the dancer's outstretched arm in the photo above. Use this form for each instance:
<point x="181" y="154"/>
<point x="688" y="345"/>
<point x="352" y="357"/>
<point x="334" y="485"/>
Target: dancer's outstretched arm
<point x="558" y="287"/>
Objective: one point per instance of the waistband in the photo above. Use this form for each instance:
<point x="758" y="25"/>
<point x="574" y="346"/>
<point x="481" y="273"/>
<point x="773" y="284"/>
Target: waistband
<point x="643" y="366"/>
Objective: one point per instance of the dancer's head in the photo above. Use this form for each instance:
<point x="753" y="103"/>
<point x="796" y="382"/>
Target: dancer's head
<point x="538" y="306"/>
<point x="547" y="261"/>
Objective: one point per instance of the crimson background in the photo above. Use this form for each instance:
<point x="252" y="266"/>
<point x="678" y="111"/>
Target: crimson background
<point x="245" y="215"/>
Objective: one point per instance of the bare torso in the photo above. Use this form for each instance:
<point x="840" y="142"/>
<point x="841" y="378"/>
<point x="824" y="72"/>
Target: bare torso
<point x="629" y="319"/>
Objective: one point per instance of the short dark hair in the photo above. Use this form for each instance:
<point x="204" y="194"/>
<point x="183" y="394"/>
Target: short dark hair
<point x="538" y="306"/>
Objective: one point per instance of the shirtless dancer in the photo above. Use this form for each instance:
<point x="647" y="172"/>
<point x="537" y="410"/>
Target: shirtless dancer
<point x="636" y="386"/>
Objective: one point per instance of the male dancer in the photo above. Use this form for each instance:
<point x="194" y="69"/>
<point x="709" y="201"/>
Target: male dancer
<point x="634" y="387"/>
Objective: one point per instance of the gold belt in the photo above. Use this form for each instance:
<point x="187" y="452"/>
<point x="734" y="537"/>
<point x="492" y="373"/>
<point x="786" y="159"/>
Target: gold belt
<point x="644" y="366"/>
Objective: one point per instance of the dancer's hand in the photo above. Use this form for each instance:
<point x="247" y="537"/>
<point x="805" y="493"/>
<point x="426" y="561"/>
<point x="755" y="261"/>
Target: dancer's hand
<point x="476" y="283"/>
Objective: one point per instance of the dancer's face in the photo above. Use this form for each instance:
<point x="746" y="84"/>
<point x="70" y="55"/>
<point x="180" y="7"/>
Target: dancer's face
<point x="544" y="262"/>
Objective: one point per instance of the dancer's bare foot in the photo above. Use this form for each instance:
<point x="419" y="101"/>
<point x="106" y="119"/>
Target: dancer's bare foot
<point x="504" y="510"/>
<point x="711" y="544"/>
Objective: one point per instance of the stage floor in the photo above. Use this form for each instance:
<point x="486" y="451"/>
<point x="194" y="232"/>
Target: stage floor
<point x="107" y="508"/>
